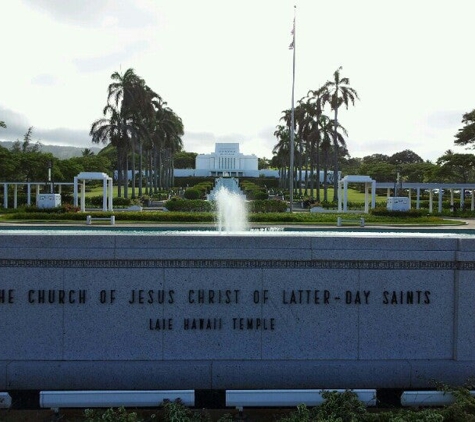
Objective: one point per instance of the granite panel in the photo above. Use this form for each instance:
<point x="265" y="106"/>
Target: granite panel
<point x="213" y="247"/>
<point x="114" y="322"/>
<point x="208" y="306"/>
<point x="32" y="323"/>
<point x="385" y="255"/>
<point x="466" y="244"/>
<point x="3" y="374"/>
<point x="57" y="241"/>
<point x="410" y="315"/>
<point x="312" y="320"/>
<point x="432" y="373"/>
<point x="385" y="241"/>
<point x="108" y="375"/>
<point x="311" y="374"/>
<point x="465" y="316"/>
<point x="221" y="311"/>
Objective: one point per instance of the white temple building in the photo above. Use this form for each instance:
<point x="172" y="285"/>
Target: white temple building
<point x="226" y="161"/>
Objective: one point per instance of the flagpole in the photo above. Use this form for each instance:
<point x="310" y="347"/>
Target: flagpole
<point x="292" y="122"/>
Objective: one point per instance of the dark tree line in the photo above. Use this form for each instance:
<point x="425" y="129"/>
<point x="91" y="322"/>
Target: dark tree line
<point x="142" y="130"/>
<point x="319" y="137"/>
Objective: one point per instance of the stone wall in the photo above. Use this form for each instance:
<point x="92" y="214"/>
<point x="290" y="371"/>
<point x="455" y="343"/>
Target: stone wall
<point x="112" y="310"/>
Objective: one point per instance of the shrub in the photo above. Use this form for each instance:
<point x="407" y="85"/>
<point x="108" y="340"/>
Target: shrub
<point x="258" y="195"/>
<point x="400" y="214"/>
<point x="337" y="407"/>
<point x="192" y="194"/>
<point x="66" y="208"/>
<point x="340" y="406"/>
<point x="110" y="415"/>
<point x="178" y="204"/>
<point x="97" y="201"/>
<point x="267" y="205"/>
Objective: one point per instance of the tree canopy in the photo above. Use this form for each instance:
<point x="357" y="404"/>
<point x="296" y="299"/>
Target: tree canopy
<point x="466" y="135"/>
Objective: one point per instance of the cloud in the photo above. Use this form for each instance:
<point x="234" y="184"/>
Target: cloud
<point x="94" y="64"/>
<point x="445" y="119"/>
<point x="199" y="142"/>
<point x="45" y="79"/>
<point x="18" y="124"/>
<point x="125" y="14"/>
<point x="63" y="136"/>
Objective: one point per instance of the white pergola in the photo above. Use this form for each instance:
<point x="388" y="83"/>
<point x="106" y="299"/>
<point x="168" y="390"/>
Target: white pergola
<point x="434" y="190"/>
<point x="343" y="192"/>
<point x="37" y="186"/>
<point x="106" y="184"/>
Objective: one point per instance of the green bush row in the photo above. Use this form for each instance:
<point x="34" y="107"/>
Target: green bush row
<point x="97" y="201"/>
<point x="267" y="205"/>
<point x="412" y="213"/>
<point x="337" y="407"/>
<point x="188" y="205"/>
<point x="255" y="216"/>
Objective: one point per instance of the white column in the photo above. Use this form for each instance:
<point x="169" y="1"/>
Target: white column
<point x="373" y="194"/>
<point x="388" y="192"/>
<point x="28" y="194"/>
<point x="104" y="194"/>
<point x="366" y="198"/>
<point x="75" y="192"/>
<point x="345" y="196"/>
<point x="15" y="196"/>
<point x="340" y="196"/>
<point x="418" y="198"/>
<point x="472" y="204"/>
<point x="5" y="195"/>
<point x="440" y="200"/>
<point x="83" y="196"/>
<point x="430" y="201"/>
<point x="111" y="193"/>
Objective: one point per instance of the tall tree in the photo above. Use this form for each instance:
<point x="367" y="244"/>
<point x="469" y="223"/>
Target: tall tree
<point x="338" y="92"/>
<point x="281" y="154"/>
<point x="86" y="152"/>
<point x="120" y="129"/>
<point x="405" y="157"/>
<point x="129" y="93"/>
<point x="466" y="135"/>
<point x="458" y="168"/>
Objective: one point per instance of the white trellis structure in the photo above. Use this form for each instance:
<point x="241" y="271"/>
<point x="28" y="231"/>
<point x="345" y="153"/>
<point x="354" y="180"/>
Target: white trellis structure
<point x="31" y="188"/>
<point x="107" y="189"/>
<point x="343" y="192"/>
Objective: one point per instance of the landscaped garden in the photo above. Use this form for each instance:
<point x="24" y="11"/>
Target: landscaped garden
<point x="188" y="206"/>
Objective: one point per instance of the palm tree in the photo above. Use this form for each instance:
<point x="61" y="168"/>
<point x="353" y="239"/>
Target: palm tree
<point x="140" y="126"/>
<point x="281" y="152"/>
<point x="119" y="129"/>
<point x="299" y="129"/>
<point x="166" y="136"/>
<point x="337" y="93"/>
<point x="2" y="124"/>
<point x="86" y="152"/>
<point x="129" y="93"/>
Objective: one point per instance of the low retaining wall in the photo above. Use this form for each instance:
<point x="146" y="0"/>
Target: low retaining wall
<point x="182" y="311"/>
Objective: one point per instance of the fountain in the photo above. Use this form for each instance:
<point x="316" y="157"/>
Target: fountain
<point x="231" y="211"/>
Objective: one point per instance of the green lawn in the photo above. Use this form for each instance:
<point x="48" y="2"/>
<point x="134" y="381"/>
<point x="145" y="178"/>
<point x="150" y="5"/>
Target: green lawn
<point x="353" y="195"/>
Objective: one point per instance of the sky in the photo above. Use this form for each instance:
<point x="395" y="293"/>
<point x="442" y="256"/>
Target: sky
<point x="225" y="67"/>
